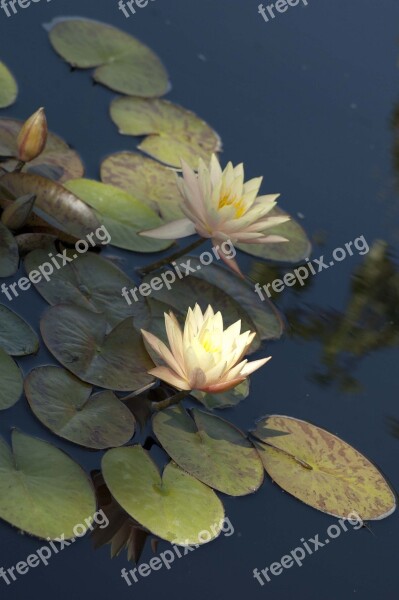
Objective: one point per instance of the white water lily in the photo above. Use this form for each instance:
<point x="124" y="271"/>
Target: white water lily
<point x="204" y="356"/>
<point x="221" y="206"/>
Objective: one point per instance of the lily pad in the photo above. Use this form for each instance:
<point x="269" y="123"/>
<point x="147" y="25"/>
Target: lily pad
<point x="79" y="339"/>
<point x="174" y="132"/>
<point x="265" y="316"/>
<point x="210" y="449"/>
<point x="9" y="256"/>
<point x="11" y="381"/>
<point x="147" y="180"/>
<point x="15" y="215"/>
<point x="28" y="242"/>
<point x="90" y="281"/>
<point x="42" y="490"/>
<point x="225" y="399"/>
<point x="54" y="203"/>
<point x="175" y="506"/>
<point x="8" y="87"/>
<point x="123" y="63"/>
<point x="57" y="161"/>
<point x="322" y="470"/>
<point x="295" y="250"/>
<point x="16" y="335"/>
<point x="122" y="214"/>
<point x="65" y="405"/>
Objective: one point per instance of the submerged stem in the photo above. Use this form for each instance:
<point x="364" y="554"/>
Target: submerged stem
<point x="175" y="399"/>
<point x="168" y="259"/>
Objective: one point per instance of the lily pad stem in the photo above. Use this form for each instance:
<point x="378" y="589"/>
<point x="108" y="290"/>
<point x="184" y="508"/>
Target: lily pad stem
<point x="169" y="259"/>
<point x="175" y="399"/>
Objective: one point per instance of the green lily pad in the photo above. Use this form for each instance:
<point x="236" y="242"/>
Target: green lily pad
<point x="295" y="250"/>
<point x="57" y="161"/>
<point x="42" y="490"/>
<point x="185" y="293"/>
<point x="16" y="335"/>
<point x="265" y="316"/>
<point x="147" y="180"/>
<point x="28" y="242"/>
<point x="8" y="87"/>
<point x="174" y="133"/>
<point x="79" y="339"/>
<point x="9" y="256"/>
<point x="224" y="399"/>
<point x="123" y="63"/>
<point x="11" y="381"/>
<point x="175" y="506"/>
<point x="122" y="214"/>
<point x="90" y="281"/>
<point x="65" y="405"/>
<point x="210" y="449"/>
<point x="54" y="203"/>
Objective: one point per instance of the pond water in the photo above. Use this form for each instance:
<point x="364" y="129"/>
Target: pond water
<point x="308" y="100"/>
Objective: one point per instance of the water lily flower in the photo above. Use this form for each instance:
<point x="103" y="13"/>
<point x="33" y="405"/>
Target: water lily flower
<point x="32" y="138"/>
<point x="220" y="205"/>
<point x="204" y="356"/>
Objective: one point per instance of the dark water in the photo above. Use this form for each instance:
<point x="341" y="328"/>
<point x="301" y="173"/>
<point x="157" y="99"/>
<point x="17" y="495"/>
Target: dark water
<point x="307" y="100"/>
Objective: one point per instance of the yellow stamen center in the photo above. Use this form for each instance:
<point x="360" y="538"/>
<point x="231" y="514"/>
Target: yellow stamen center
<point x="228" y="200"/>
<point x="210" y="341"/>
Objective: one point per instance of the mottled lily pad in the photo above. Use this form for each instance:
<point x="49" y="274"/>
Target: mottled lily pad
<point x="89" y="281"/>
<point x="9" y="257"/>
<point x="146" y="179"/>
<point x="81" y="341"/>
<point x="122" y="214"/>
<point x="54" y="203"/>
<point x="42" y="490"/>
<point x="57" y="161"/>
<point x="174" y="133"/>
<point x="11" y="381"/>
<point x="123" y="63"/>
<point x="16" y="336"/>
<point x="210" y="449"/>
<point x="322" y="470"/>
<point x="175" y="506"/>
<point x="295" y="250"/>
<point x="65" y="405"/>
<point x="8" y="87"/>
<point x="16" y="214"/>
<point x="225" y="399"/>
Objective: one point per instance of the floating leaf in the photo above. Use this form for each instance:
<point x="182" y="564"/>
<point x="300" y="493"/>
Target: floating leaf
<point x="89" y="281"/>
<point x="11" y="381"/>
<point x="79" y="340"/>
<point x="210" y="449"/>
<point x="64" y="404"/>
<point x="122" y="214"/>
<point x="54" y="203"/>
<point x="8" y="87"/>
<point x="58" y="161"/>
<point x="176" y="507"/>
<point x="174" y="132"/>
<point x="42" y="490"/>
<point x="16" y="336"/>
<point x="322" y="470"/>
<point x="224" y="399"/>
<point x="9" y="257"/>
<point x="191" y="290"/>
<point x="27" y="242"/>
<point x="15" y="215"/>
<point x="124" y="64"/>
<point x="147" y="180"/>
<point x="265" y="316"/>
<point x="295" y="250"/>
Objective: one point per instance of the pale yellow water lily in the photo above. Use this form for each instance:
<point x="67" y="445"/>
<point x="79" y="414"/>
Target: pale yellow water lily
<point x="204" y="356"/>
<point x="221" y="206"/>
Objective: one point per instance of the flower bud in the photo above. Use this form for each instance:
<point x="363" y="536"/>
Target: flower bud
<point x="33" y="136"/>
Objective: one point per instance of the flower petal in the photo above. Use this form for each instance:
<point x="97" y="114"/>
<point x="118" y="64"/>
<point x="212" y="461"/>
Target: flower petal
<point x="171" y="231"/>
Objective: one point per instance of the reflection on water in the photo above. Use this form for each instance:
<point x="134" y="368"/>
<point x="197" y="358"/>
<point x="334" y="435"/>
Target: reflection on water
<point x="369" y="323"/>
